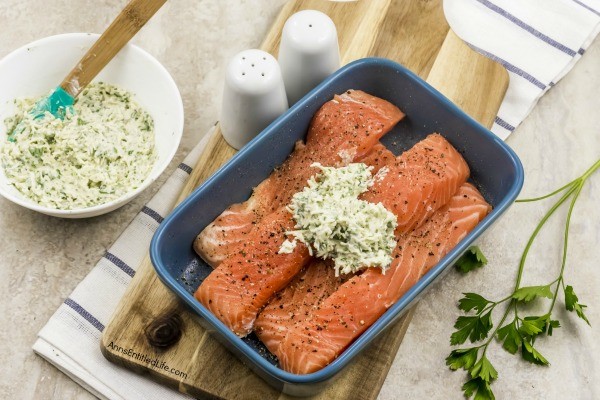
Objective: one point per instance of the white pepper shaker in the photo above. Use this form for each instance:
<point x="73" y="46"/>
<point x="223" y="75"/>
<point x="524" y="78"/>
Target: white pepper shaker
<point x="308" y="53"/>
<point x="254" y="95"/>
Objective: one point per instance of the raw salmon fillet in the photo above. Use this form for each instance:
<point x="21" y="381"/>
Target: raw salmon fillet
<point x="297" y="301"/>
<point x="238" y="288"/>
<point x="343" y="130"/>
<point x="359" y="302"/>
<point x="412" y="188"/>
<point x="405" y="186"/>
<point x="313" y="285"/>
<point x="418" y="182"/>
<point x="378" y="157"/>
<point x="236" y="295"/>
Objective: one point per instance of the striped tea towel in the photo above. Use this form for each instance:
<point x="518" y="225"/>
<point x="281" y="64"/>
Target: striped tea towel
<point x="71" y="338"/>
<point x="537" y="41"/>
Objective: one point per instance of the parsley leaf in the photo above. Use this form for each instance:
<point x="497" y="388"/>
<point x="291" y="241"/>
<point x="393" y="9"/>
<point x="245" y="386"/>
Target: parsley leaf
<point x="462" y="358"/>
<point x="484" y="370"/>
<point x="511" y="337"/>
<point x="532" y="355"/>
<point x="533" y="325"/>
<point x="572" y="303"/>
<point x="480" y="388"/>
<point x="519" y="332"/>
<point x="529" y="293"/>
<point x="472" y="259"/>
<point x="475" y="328"/>
<point x="551" y="324"/>
<point x="473" y="301"/>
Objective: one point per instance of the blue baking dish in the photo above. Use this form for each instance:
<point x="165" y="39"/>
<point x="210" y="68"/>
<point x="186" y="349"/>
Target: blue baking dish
<point x="496" y="171"/>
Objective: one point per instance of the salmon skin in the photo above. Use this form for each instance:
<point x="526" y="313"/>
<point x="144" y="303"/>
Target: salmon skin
<point x="359" y="302"/>
<point x="415" y="185"/>
<point x="342" y="131"/>
<point x="405" y="187"/>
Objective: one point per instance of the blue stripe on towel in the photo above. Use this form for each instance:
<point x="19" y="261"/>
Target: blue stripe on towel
<point x="504" y="124"/>
<point x="186" y="168"/>
<point x="84" y="313"/>
<point x="587" y="7"/>
<point x="528" y="28"/>
<point x="509" y="66"/>
<point x="119" y="263"/>
<point x="152" y="214"/>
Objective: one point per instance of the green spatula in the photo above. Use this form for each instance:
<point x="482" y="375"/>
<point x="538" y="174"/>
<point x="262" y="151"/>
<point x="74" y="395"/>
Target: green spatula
<point x="133" y="17"/>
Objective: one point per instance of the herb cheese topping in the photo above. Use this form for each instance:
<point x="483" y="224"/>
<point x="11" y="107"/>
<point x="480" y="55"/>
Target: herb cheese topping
<point x="334" y="223"/>
<point x="97" y="153"/>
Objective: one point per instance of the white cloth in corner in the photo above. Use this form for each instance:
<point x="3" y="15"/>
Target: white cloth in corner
<point x="537" y="41"/>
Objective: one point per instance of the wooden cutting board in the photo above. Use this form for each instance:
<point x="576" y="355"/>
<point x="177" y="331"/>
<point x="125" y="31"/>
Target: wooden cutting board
<point x="151" y="321"/>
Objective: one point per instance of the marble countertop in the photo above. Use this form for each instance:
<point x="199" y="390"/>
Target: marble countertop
<point x="43" y="258"/>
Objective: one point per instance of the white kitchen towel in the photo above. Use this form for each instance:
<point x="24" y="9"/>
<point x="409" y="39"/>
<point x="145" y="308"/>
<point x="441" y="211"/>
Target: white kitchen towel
<point x="71" y="338"/>
<point x="537" y="41"/>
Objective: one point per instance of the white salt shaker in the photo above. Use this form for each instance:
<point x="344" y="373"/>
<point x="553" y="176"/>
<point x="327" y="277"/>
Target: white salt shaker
<point x="254" y="95"/>
<point x="308" y="53"/>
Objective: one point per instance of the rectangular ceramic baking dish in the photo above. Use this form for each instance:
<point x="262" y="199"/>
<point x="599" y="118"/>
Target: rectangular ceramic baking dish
<point x="496" y="171"/>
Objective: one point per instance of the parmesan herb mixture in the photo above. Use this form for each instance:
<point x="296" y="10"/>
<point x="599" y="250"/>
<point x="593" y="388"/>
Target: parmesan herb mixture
<point x="334" y="223"/>
<point x="99" y="152"/>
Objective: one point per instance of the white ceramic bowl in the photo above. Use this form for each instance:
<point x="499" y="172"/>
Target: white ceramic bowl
<point x="33" y="70"/>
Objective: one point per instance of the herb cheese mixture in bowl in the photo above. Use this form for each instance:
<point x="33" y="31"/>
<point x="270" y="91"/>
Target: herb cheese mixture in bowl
<point x="123" y="132"/>
<point x="102" y="149"/>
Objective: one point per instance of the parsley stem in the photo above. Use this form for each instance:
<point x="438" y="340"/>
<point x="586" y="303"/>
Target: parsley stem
<point x="549" y="194"/>
<point x="573" y="187"/>
<point x="577" y="181"/>
<point x="560" y="280"/>
<point x="520" y="332"/>
<point x="493" y="304"/>
<point x="493" y="335"/>
<point x="504" y="299"/>
<point x="537" y="230"/>
<point x="566" y="238"/>
<point x="590" y="171"/>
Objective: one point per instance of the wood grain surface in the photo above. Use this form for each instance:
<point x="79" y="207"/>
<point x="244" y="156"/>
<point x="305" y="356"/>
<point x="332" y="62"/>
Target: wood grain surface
<point x="149" y="318"/>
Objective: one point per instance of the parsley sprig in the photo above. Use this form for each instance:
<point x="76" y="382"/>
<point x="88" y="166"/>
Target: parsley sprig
<point x="515" y="330"/>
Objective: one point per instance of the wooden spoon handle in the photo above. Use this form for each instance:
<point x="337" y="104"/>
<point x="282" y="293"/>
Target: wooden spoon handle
<point x="133" y="17"/>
